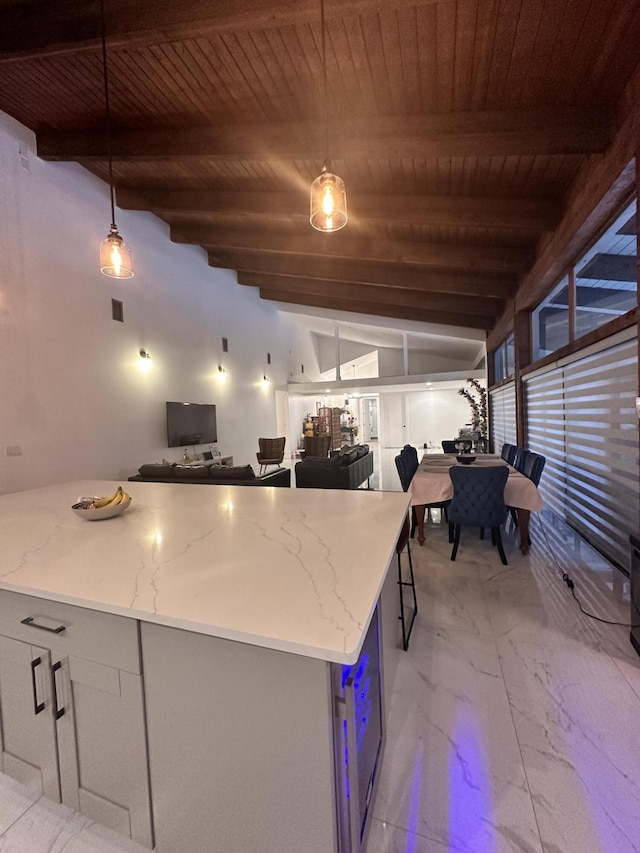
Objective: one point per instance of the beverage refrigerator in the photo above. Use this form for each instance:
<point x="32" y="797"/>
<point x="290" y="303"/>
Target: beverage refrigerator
<point x="358" y="738"/>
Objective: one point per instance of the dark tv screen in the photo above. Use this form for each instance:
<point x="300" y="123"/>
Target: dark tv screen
<point x="191" y="423"/>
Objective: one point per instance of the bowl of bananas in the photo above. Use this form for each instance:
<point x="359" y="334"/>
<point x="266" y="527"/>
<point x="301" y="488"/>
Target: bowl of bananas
<point x="96" y="509"/>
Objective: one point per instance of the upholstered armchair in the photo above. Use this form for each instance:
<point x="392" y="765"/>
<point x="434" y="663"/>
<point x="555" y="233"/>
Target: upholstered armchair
<point x="316" y="445"/>
<point x="271" y="452"/>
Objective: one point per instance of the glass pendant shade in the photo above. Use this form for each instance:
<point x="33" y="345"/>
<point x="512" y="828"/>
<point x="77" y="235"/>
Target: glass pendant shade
<point x="328" y="202"/>
<point x="115" y="256"/>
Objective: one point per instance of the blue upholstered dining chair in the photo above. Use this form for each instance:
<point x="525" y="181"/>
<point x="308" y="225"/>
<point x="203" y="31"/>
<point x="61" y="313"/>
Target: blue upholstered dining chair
<point x="405" y="479"/>
<point x="410" y="455"/>
<point x="449" y="446"/>
<point x="534" y="466"/>
<point x="478" y="501"/>
<point x="508" y="453"/>
<point x="405" y="469"/>
<point x="521" y="459"/>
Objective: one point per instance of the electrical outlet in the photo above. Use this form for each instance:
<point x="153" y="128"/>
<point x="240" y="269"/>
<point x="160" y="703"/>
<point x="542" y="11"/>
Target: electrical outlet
<point x="13" y="450"/>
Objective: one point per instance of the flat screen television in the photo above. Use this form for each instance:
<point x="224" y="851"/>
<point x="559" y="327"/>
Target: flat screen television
<point x="191" y="423"/>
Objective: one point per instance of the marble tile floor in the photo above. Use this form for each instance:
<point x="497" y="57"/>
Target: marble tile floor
<point x="513" y="723"/>
<point x="514" y="717"/>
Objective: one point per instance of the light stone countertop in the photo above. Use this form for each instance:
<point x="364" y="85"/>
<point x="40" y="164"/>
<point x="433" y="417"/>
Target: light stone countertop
<point x="298" y="570"/>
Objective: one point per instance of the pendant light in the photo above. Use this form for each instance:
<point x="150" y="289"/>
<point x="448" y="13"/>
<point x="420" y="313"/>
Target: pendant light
<point x="328" y="203"/>
<point x="115" y="255"/>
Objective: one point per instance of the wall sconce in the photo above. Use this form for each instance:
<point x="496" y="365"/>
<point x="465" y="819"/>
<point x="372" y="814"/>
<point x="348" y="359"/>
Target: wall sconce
<point x="145" y="360"/>
<point x="265" y="380"/>
<point x="222" y="373"/>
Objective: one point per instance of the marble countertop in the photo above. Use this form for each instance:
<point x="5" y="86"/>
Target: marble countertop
<point x="298" y="570"/>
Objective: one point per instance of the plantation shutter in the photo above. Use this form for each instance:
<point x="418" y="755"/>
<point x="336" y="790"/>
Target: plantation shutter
<point x="582" y="417"/>
<point x="503" y="416"/>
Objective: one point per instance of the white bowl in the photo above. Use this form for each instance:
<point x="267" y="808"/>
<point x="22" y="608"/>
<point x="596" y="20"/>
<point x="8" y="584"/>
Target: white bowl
<point x="84" y="509"/>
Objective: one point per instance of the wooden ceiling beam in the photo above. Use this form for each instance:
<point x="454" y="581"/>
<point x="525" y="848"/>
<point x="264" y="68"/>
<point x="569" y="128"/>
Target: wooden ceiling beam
<point x="465" y="285"/>
<point x="41" y="28"/>
<point x="447" y="318"/>
<point x="373" y="294"/>
<point x="492" y="133"/>
<point x="534" y="214"/>
<point x="218" y="241"/>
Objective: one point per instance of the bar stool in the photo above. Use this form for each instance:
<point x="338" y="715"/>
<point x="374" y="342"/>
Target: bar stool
<point x="410" y="616"/>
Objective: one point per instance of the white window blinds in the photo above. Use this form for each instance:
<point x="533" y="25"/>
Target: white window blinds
<point x="582" y="417"/>
<point x="503" y="416"/>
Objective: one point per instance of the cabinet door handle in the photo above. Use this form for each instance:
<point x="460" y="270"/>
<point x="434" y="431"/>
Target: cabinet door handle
<point x="33" y="624"/>
<point x="37" y="706"/>
<point x="59" y="712"/>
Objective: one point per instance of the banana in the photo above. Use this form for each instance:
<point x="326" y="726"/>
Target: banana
<point x="117" y="498"/>
<point x="100" y="502"/>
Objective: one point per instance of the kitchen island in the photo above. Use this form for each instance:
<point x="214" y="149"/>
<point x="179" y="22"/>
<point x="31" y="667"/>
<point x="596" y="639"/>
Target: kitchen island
<point x="182" y="662"/>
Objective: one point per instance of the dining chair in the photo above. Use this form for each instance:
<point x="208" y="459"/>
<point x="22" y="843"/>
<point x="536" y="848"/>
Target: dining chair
<point x="534" y="467"/>
<point x="405" y="473"/>
<point x="478" y="501"/>
<point x="508" y="453"/>
<point x="271" y="452"/>
<point x="411" y="455"/>
<point x="405" y="480"/>
<point x="517" y="455"/>
<point x="449" y="446"/>
<point x="407" y="614"/>
<point x="521" y="459"/>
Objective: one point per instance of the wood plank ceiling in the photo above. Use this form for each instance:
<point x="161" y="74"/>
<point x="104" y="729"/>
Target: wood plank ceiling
<point x="457" y="126"/>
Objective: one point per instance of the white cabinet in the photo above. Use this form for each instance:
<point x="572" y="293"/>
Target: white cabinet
<point x="72" y="710"/>
<point x="27" y="734"/>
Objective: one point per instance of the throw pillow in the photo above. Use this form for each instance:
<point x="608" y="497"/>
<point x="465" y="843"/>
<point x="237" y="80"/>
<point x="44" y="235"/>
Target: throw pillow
<point x="191" y="472"/>
<point x="350" y="457"/>
<point x="238" y="472"/>
<point x="320" y="461"/>
<point x="156" y="469"/>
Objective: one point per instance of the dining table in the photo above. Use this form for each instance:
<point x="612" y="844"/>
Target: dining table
<point x="431" y="484"/>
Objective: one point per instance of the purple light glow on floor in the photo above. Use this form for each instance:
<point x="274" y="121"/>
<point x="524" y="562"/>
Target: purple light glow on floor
<point x="470" y="797"/>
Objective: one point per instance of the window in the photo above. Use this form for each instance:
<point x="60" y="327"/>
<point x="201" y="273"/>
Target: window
<point x="606" y="276"/>
<point x="581" y="416"/>
<point x="499" y="366"/>
<point x="503" y="416"/>
<point x="606" y="287"/>
<point x="510" y="349"/>
<point x="504" y="363"/>
<point x="551" y="321"/>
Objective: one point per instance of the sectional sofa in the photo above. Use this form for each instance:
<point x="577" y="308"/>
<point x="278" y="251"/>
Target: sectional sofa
<point x="345" y="469"/>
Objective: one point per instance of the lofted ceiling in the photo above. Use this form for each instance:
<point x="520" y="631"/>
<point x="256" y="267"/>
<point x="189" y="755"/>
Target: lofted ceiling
<point x="457" y="126"/>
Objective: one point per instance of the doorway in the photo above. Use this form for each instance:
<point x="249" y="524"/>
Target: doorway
<point x="369" y="419"/>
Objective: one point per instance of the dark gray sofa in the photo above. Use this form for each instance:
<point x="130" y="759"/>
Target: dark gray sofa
<point x="344" y="470"/>
<point x="239" y="475"/>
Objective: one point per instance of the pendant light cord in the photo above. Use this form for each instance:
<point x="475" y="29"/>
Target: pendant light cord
<point x="108" y="111"/>
<point x="326" y="88"/>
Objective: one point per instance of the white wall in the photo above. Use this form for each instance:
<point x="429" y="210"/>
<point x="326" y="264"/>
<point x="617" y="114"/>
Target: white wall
<point x="434" y="415"/>
<point x="74" y="398"/>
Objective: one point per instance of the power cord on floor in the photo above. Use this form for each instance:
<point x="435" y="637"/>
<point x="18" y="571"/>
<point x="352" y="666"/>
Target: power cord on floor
<point x="571" y="584"/>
